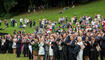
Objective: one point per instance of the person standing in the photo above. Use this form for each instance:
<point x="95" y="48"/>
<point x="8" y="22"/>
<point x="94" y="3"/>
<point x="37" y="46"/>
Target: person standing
<point x="93" y="50"/>
<point x="46" y="47"/>
<point x="65" y="39"/>
<point x="40" y="23"/>
<point x="0" y="22"/>
<point x="0" y="44"/>
<point x="80" y="43"/>
<point x="50" y="49"/>
<point x="86" y="49"/>
<point x="15" y="23"/>
<point x="66" y="19"/>
<point x="55" y="50"/>
<point x="21" y="22"/>
<point x="14" y="44"/>
<point x="30" y="23"/>
<point x="104" y="25"/>
<point x="10" y="49"/>
<point x="71" y="46"/>
<point x="18" y="46"/>
<point x="30" y="42"/>
<point x="7" y="43"/>
<point x="11" y="21"/>
<point x="35" y="49"/>
<point x="34" y="23"/>
<point x="103" y="46"/>
<point x="60" y="56"/>
<point x="25" y="47"/>
<point x="6" y="22"/>
<point x="41" y="48"/>
<point x="3" y="45"/>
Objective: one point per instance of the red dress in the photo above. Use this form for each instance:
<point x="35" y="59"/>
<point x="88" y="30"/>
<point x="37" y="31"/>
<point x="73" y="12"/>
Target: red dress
<point x="104" y="25"/>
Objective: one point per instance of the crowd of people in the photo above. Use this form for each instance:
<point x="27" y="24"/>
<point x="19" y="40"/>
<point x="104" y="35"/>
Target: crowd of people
<point x="83" y="41"/>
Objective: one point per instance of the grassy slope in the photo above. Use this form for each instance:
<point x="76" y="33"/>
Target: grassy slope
<point x="52" y="14"/>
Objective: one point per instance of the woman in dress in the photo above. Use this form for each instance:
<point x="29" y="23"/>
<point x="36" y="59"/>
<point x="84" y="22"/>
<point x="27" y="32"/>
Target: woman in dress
<point x="14" y="44"/>
<point x="50" y="49"/>
<point x="41" y="48"/>
<point x="80" y="43"/>
<point x="93" y="50"/>
<point x="86" y="49"/>
<point x="35" y="49"/>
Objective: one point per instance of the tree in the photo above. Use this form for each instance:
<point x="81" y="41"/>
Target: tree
<point x="83" y="1"/>
<point x="8" y="4"/>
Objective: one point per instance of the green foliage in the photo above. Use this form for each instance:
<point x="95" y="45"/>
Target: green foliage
<point x="83" y="1"/>
<point x="8" y="4"/>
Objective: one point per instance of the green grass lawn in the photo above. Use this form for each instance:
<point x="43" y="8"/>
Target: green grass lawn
<point x="13" y="57"/>
<point x="89" y="9"/>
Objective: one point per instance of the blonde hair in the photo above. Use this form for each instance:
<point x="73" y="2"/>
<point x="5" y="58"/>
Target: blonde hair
<point x="80" y="38"/>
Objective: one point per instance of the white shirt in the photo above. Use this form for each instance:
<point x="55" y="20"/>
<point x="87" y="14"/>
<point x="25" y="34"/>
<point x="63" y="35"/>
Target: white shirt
<point x="93" y="23"/>
<point x="21" y="20"/>
<point x="12" y="19"/>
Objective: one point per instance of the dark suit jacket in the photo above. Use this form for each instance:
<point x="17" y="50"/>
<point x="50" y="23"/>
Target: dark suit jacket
<point x="67" y="39"/>
<point x="18" y="44"/>
<point x="0" y="45"/>
<point x="55" y="47"/>
<point x="76" y="50"/>
<point x="71" y="46"/>
<point x="103" y="41"/>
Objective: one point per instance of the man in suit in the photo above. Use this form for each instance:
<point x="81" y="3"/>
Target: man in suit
<point x="30" y="47"/>
<point x="18" y="46"/>
<point x="10" y="49"/>
<point x="0" y="44"/>
<point x="30" y="23"/>
<point x="71" y="46"/>
<point x="55" y="50"/>
<point x="7" y="43"/>
<point x="34" y="23"/>
<point x="103" y="46"/>
<point x="13" y="23"/>
<point x="66" y="19"/>
<point x="64" y="47"/>
<point x="25" y="47"/>
<point x="46" y="46"/>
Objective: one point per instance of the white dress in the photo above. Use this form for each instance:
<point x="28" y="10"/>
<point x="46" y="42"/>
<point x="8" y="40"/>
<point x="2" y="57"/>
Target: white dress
<point x="80" y="54"/>
<point x="50" y="50"/>
<point x="41" y="49"/>
<point x="14" y="43"/>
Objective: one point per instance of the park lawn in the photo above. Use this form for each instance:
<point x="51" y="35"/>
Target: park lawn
<point x="90" y="9"/>
<point x="13" y="57"/>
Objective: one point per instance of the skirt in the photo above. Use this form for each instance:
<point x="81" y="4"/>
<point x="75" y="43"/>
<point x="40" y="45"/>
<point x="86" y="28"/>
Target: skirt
<point x="35" y="53"/>
<point x="51" y="52"/>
